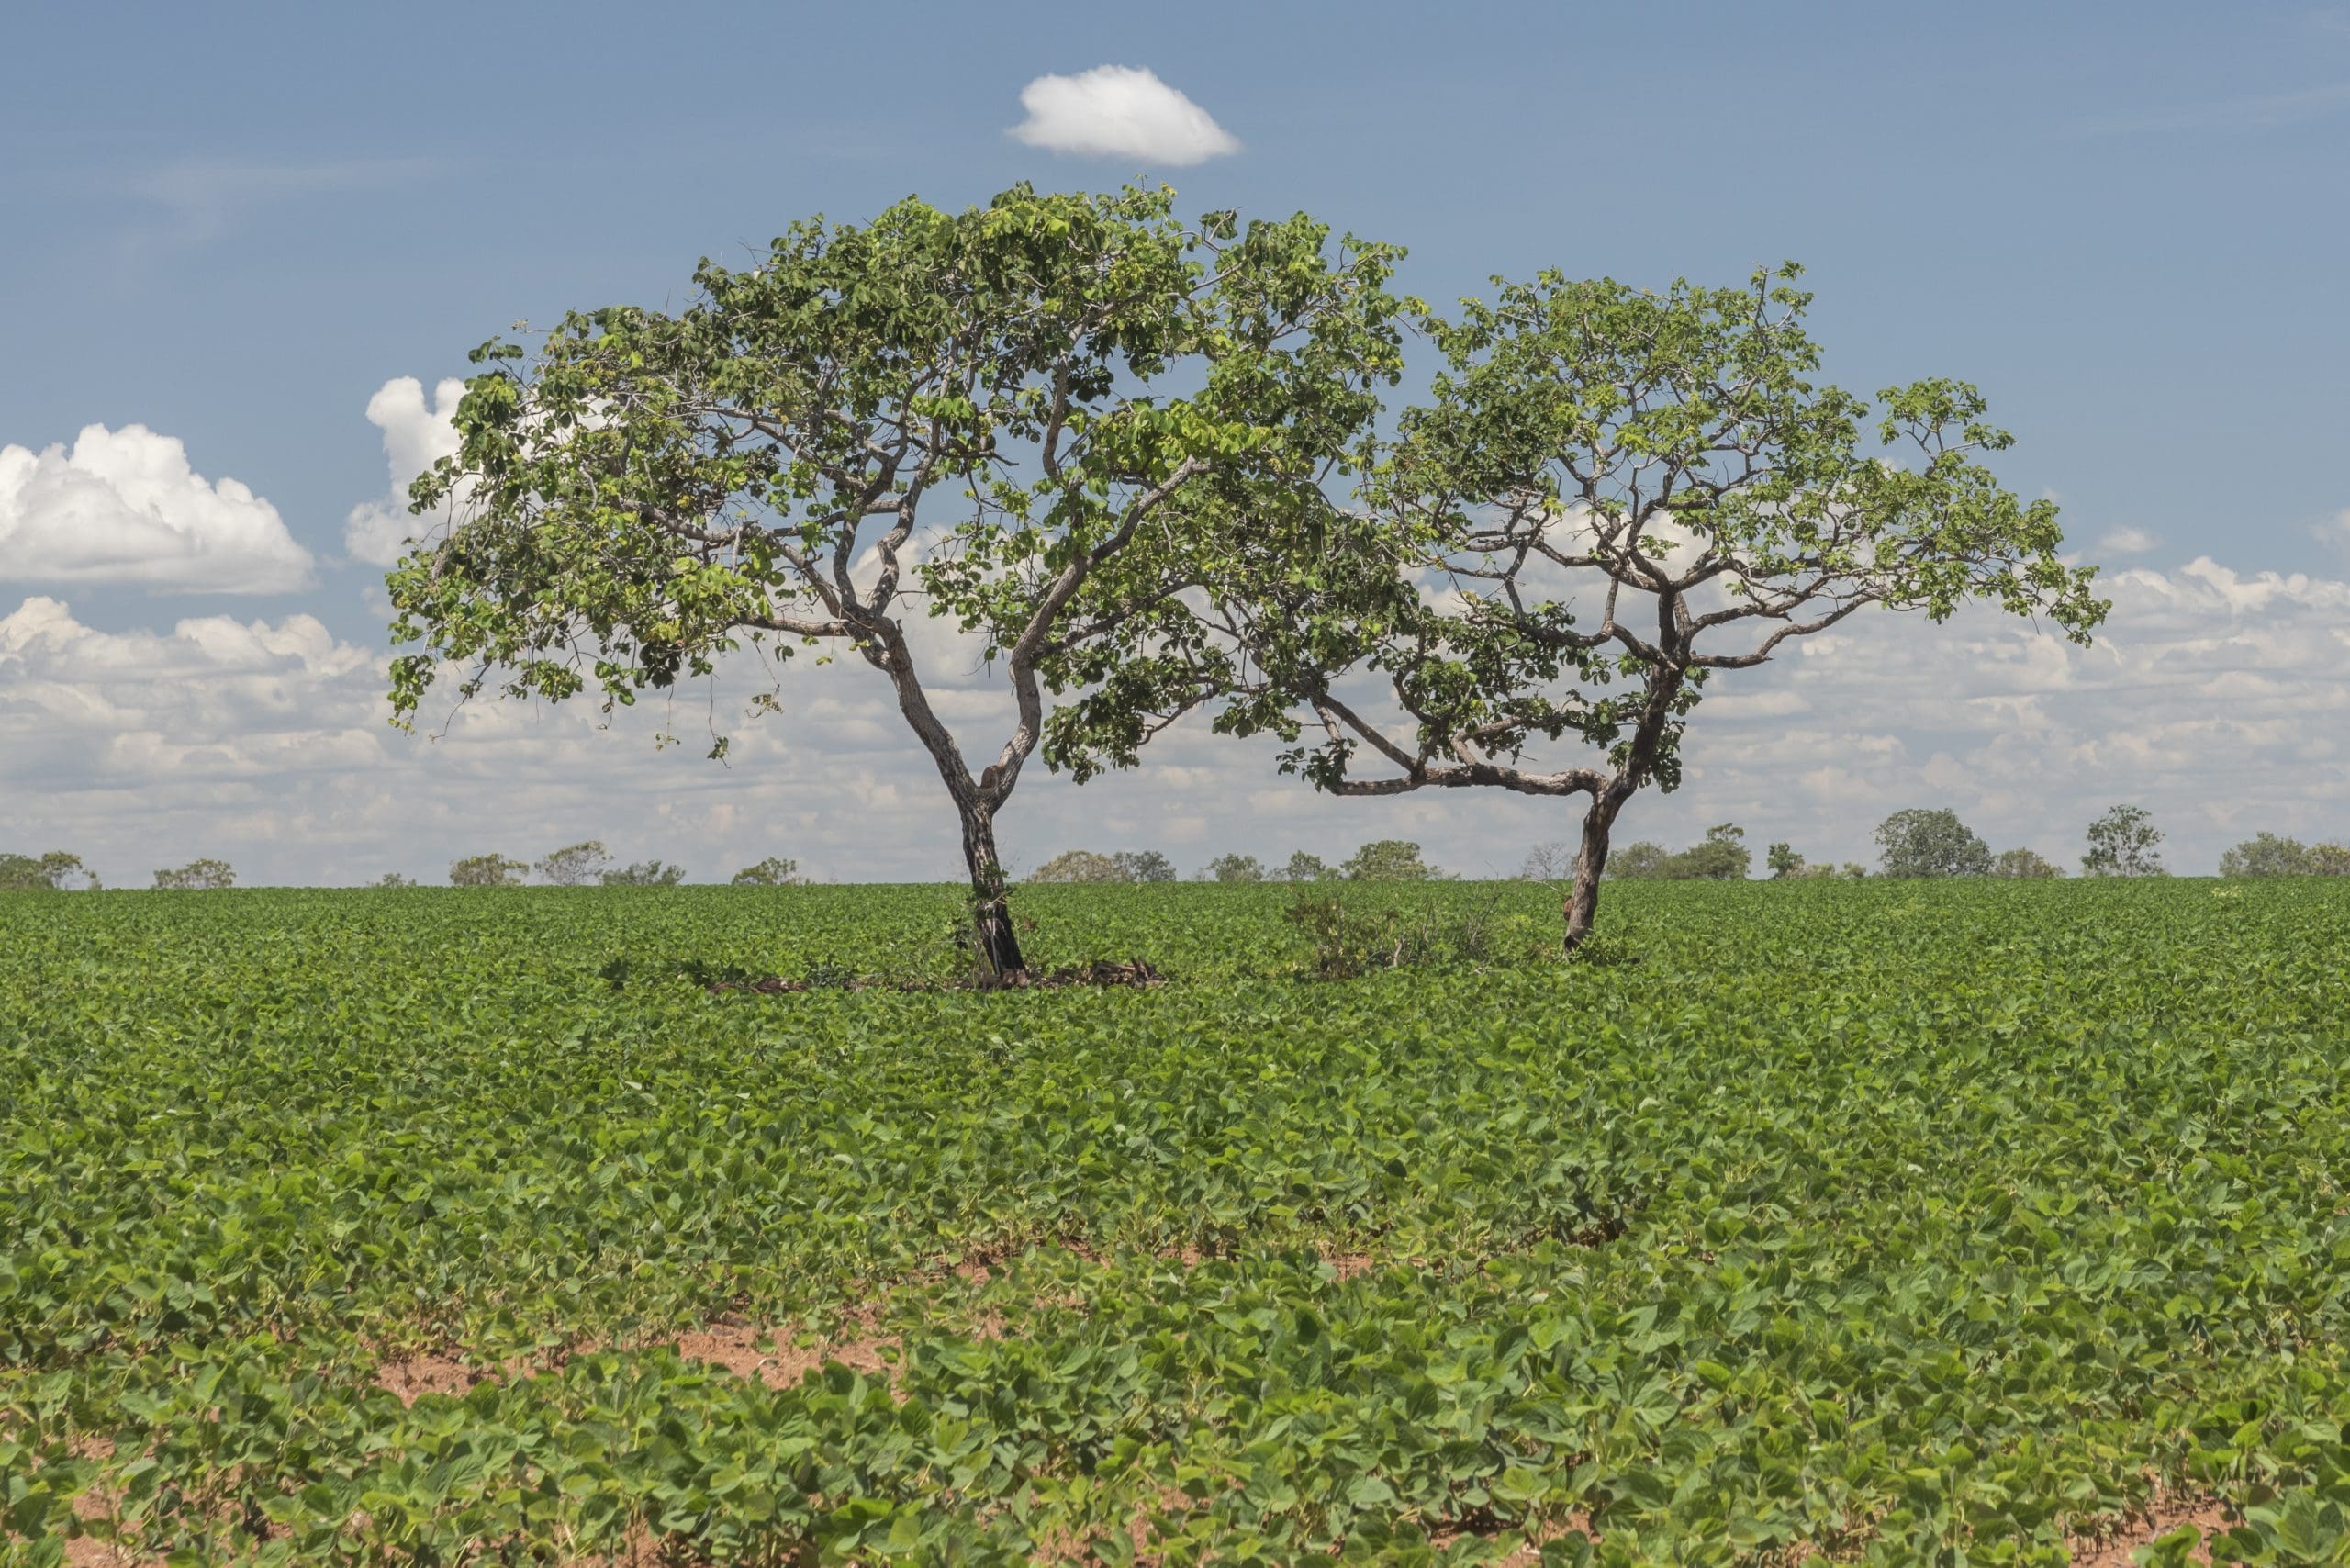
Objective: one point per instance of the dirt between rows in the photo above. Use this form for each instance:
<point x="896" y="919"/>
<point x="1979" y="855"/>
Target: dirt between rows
<point x="771" y="1355"/>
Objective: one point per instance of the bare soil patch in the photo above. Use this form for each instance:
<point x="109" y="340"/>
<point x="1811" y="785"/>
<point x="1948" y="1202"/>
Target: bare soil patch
<point x="2167" y="1513"/>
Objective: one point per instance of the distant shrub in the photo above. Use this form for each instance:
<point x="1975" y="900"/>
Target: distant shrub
<point x="1144" y="865"/>
<point x="1079" y="866"/>
<point x="1307" y="868"/>
<point x="1639" y="861"/>
<point x="196" y="876"/>
<point x="2121" y="844"/>
<point x="644" y="874"/>
<point x="1922" y="842"/>
<point x="1721" y="857"/>
<point x="1233" y="869"/>
<point x="43" y="873"/>
<point x="1388" y="861"/>
<point x="486" y="871"/>
<point x="2268" y="855"/>
<point x="2029" y="863"/>
<point x="771" y="872"/>
<point x="577" y="865"/>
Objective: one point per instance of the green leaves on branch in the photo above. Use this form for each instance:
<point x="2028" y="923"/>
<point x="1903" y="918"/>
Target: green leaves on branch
<point x="1024" y="383"/>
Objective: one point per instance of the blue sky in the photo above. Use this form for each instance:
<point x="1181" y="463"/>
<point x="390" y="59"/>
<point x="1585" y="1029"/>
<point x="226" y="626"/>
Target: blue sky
<point x="2128" y="223"/>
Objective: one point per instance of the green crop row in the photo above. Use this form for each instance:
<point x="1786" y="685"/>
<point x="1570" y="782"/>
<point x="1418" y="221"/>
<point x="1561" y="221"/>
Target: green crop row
<point x="1910" y="1223"/>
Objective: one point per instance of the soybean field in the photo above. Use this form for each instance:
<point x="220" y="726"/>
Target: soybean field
<point x="1966" y="1222"/>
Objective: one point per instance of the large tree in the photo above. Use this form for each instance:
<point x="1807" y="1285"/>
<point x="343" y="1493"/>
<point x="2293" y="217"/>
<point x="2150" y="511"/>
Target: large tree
<point x="1031" y="419"/>
<point x="1612" y="496"/>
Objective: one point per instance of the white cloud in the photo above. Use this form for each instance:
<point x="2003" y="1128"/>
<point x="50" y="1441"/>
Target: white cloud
<point x="2335" y="531"/>
<point x="2126" y="540"/>
<point x="123" y="507"/>
<point x="1120" y="111"/>
<point x="415" y="435"/>
<point x="2212" y="697"/>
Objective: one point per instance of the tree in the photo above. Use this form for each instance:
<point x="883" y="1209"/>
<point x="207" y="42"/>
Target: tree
<point x="1784" y="861"/>
<point x="1548" y="861"/>
<point x="2121" y="844"/>
<point x="1721" y="857"/>
<point x="577" y="865"/>
<point x="2026" y="863"/>
<point x="1305" y="867"/>
<point x="1233" y="869"/>
<point x="1144" y="865"/>
<point x="1076" y="398"/>
<point x="1659" y="459"/>
<point x="1921" y="842"/>
<point x="2268" y="855"/>
<point x="1387" y="860"/>
<point x="1642" y="862"/>
<point x="197" y="876"/>
<point x="1079" y="866"/>
<point x="44" y="873"/>
<point x="771" y="872"/>
<point x="394" y="879"/>
<point x="644" y="874"/>
<point x="486" y="871"/>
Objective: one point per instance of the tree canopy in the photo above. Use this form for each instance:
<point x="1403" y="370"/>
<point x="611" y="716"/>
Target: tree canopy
<point x="1042" y="419"/>
<point x="1611" y="497"/>
<point x="2272" y="855"/>
<point x="1931" y="843"/>
<point x="2122" y="844"/>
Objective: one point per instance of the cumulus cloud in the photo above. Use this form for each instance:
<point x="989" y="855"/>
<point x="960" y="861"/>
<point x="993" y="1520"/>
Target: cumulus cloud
<point x="2212" y="697"/>
<point x="268" y="743"/>
<point x="417" y="434"/>
<point x="1120" y="111"/>
<point x="2335" y="531"/>
<point x="2126" y="540"/>
<point x="124" y="507"/>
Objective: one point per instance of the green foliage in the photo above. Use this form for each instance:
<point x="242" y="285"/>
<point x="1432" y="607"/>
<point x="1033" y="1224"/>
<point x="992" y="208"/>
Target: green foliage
<point x="1387" y="860"/>
<point x="642" y="874"/>
<point x="197" y="875"/>
<point x="577" y="865"/>
<point x="1303" y="866"/>
<point x="1898" y="1223"/>
<point x="394" y="879"/>
<point x="1079" y="866"/>
<point x="1233" y="869"/>
<point x="1784" y="861"/>
<point x="2266" y="855"/>
<point x="1658" y="462"/>
<point x="1922" y="842"/>
<point x="771" y="872"/>
<point x="1143" y="866"/>
<point x="486" y="871"/>
<point x="2029" y="863"/>
<point x="2121" y="844"/>
<point x="1721" y="857"/>
<point x="43" y="873"/>
<point x="1642" y="860"/>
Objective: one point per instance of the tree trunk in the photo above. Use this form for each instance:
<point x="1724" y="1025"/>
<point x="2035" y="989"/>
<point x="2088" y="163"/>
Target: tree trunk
<point x="1591" y="860"/>
<point x="999" y="944"/>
